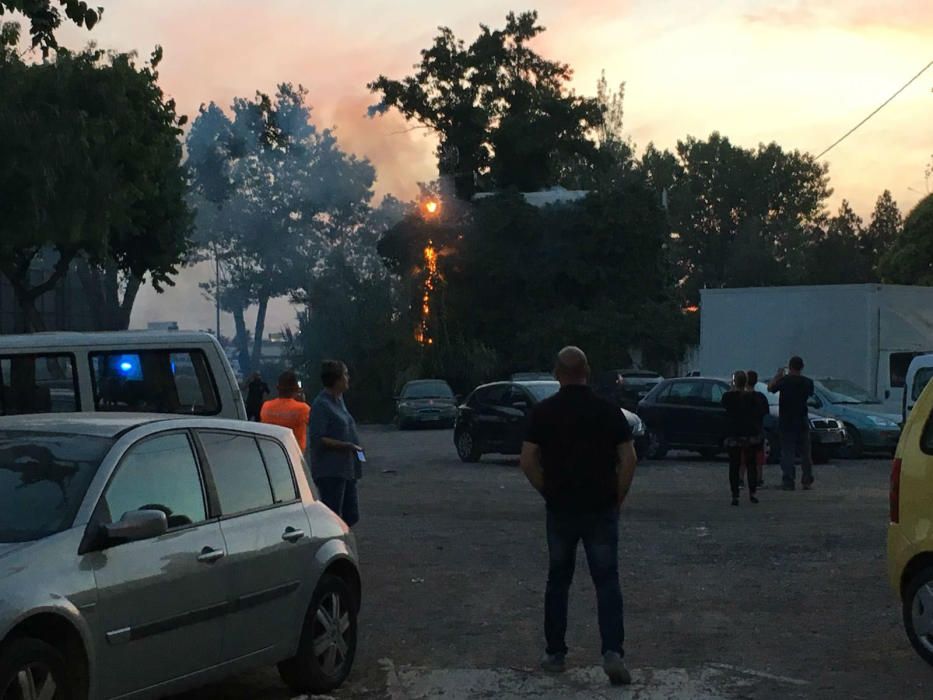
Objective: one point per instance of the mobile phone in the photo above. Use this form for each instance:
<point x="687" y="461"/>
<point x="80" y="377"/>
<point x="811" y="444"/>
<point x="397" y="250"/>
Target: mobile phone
<point x="361" y="456"/>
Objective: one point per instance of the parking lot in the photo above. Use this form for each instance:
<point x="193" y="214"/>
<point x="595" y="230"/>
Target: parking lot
<point x="786" y="599"/>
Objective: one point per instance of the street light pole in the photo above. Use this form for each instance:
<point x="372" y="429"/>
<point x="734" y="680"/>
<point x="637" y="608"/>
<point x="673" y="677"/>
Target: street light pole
<point x="217" y="293"/>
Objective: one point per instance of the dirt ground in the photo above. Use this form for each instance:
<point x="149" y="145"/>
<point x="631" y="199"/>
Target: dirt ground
<point x="786" y="599"/>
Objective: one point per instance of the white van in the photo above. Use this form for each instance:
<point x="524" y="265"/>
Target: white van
<point x="919" y="373"/>
<point x="124" y="371"/>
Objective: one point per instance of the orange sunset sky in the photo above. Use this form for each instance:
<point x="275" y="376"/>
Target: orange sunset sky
<point x="796" y="72"/>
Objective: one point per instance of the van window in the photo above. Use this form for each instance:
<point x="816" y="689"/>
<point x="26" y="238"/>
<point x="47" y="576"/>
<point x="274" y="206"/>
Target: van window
<point x="921" y="379"/>
<point x="154" y="381"/>
<point x="38" y="383"/>
<point x="898" y="363"/>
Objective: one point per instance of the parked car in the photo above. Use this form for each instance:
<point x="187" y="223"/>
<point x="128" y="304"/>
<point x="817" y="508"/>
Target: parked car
<point x="626" y="387"/>
<point x="532" y="377"/>
<point x="494" y="418"/>
<point x="687" y="414"/>
<point x="910" y="538"/>
<point x="141" y="555"/>
<point x="426" y="402"/>
<point x="919" y="374"/>
<point x="125" y="371"/>
<point x="869" y="428"/>
<point x="827" y="435"/>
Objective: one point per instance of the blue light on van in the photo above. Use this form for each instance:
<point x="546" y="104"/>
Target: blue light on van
<point x="126" y="367"/>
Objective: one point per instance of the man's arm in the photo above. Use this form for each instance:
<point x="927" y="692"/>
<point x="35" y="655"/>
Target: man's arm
<point x="531" y="465"/>
<point x="626" y="468"/>
<point x="774" y="384"/>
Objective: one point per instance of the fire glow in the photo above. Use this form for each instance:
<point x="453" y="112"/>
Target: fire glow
<point x="422" y="335"/>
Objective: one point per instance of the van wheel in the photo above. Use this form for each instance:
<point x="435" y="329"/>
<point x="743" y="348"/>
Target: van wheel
<point x="31" y="669"/>
<point x="918" y="613"/>
<point x="328" y="641"/>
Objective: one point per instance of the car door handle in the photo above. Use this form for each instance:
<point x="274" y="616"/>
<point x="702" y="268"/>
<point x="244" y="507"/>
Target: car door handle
<point x="292" y="535"/>
<point x="209" y="555"/>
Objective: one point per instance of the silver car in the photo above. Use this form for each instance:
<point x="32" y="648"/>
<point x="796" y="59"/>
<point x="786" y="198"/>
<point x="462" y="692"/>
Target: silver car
<point x="141" y="555"/>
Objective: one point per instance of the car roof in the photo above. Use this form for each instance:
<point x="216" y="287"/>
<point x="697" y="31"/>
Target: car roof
<point x="113" y="425"/>
<point x="534" y="382"/>
<point x="426" y="381"/>
<point x="57" y="340"/>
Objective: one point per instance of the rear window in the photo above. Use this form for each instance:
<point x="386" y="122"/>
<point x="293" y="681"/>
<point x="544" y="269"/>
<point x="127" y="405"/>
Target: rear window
<point x="899" y="362"/>
<point x="154" y="381"/>
<point x="921" y="379"/>
<point x="428" y="390"/>
<point x="43" y="479"/>
<point x="38" y="383"/>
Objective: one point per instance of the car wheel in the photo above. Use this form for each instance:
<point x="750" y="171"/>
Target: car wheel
<point x="31" y="669"/>
<point x="853" y="449"/>
<point x="328" y="641"/>
<point x="467" y="447"/>
<point x="918" y="613"/>
<point x="657" y="445"/>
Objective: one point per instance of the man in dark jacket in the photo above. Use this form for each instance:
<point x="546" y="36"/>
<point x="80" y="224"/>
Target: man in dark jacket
<point x="795" y="390"/>
<point x="579" y="455"/>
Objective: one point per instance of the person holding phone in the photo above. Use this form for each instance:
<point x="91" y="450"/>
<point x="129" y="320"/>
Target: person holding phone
<point x="336" y="455"/>
<point x="744" y="416"/>
<point x="794" y="422"/>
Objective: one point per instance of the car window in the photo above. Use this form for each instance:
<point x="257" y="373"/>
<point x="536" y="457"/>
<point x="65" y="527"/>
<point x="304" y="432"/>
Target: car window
<point x="685" y="393"/>
<point x="43" y="479"/>
<point x="39" y="383"/>
<point x="717" y="391"/>
<point x="279" y="470"/>
<point x="921" y="379"/>
<point x="492" y="395"/>
<point x="154" y="381"/>
<point x="517" y="395"/>
<point x="238" y="470"/>
<point x="427" y="390"/>
<point x="159" y="473"/>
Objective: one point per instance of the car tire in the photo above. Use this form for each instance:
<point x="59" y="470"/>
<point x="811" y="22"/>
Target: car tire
<point x="657" y="445"/>
<point x="917" y="607"/>
<point x="43" y="663"/>
<point x="854" y="448"/>
<point x="318" y="673"/>
<point x="468" y="448"/>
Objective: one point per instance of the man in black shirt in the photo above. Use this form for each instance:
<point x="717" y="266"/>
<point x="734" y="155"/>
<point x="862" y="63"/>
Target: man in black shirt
<point x="794" y="422"/>
<point x="579" y="455"/>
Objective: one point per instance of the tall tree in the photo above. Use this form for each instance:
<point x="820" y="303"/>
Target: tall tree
<point x="910" y="258"/>
<point x="837" y="254"/>
<point x="886" y="224"/>
<point x="44" y="17"/>
<point x="503" y="113"/>
<point x="97" y="180"/>
<point x="277" y="194"/>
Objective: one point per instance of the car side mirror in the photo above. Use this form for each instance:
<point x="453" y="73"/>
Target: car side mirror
<point x="137" y="525"/>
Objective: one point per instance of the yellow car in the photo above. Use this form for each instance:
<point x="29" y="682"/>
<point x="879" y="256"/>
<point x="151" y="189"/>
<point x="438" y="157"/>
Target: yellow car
<point x="910" y="533"/>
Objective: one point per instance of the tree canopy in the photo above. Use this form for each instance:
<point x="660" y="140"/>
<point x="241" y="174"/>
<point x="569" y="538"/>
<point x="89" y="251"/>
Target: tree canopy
<point x="909" y="260"/>
<point x="275" y="195"/>
<point x="502" y="112"/>
<point x="45" y="17"/>
<point x="98" y="180"/>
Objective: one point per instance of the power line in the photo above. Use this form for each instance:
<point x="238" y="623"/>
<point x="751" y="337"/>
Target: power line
<point x="883" y="105"/>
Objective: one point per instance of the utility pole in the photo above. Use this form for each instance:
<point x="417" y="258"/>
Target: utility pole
<point x="216" y="293"/>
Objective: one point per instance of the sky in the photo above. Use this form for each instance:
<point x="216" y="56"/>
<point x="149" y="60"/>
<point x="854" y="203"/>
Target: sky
<point x="798" y="72"/>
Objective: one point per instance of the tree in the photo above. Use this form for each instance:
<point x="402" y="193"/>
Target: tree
<point x="503" y="114"/>
<point x="837" y="254"/>
<point x="97" y="181"/>
<point x="720" y="196"/>
<point x="885" y="226"/>
<point x="910" y="258"/>
<point x="44" y="17"/>
<point x="276" y="195"/>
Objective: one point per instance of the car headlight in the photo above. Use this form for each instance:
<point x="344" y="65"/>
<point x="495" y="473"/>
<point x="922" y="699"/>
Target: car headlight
<point x="404" y="405"/>
<point x="881" y="422"/>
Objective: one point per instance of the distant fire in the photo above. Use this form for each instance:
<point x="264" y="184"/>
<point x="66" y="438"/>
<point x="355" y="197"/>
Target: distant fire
<point x="423" y="334"/>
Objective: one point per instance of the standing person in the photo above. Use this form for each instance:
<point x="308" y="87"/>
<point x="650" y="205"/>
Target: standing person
<point x="287" y="410"/>
<point x="336" y="456"/>
<point x="795" y="390"/>
<point x="764" y="408"/>
<point x="256" y="393"/>
<point x="743" y="414"/>
<point x="579" y="455"/>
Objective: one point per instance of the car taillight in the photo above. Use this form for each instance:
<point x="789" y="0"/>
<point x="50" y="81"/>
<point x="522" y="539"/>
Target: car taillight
<point x="895" y="494"/>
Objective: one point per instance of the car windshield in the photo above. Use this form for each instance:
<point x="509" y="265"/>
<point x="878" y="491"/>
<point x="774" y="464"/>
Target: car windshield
<point x="773" y="399"/>
<point x="43" y="479"/>
<point x="842" y="391"/>
<point x="543" y="390"/>
<point x="428" y="390"/>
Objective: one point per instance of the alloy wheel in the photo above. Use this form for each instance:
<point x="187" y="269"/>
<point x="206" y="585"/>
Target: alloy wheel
<point x="34" y="681"/>
<point x="331" y="643"/>
<point x="921" y="615"/>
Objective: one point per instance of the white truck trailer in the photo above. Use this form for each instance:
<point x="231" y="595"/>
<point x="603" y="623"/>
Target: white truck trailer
<point x="866" y="333"/>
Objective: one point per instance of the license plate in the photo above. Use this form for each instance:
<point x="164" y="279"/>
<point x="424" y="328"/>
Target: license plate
<point x="830" y="439"/>
<point x="431" y="417"/>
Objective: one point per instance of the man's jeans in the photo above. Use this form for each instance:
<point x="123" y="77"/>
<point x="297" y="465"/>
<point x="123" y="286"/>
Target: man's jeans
<point x="340" y="496"/>
<point x="796" y="443"/>
<point x="600" y="534"/>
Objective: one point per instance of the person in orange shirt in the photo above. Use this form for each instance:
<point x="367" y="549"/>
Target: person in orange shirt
<point x="287" y="410"/>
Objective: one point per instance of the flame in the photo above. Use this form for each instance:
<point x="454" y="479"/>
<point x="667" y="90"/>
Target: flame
<point x="422" y="335"/>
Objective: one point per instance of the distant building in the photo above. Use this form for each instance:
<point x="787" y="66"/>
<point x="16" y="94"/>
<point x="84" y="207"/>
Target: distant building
<point x="554" y="195"/>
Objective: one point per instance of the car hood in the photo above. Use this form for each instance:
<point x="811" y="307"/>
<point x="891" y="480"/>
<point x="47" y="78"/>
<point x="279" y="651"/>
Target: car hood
<point x="419" y="403"/>
<point x="8" y="548"/>
<point x="860" y="411"/>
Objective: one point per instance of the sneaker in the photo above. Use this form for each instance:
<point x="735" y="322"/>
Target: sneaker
<point x="553" y="663"/>
<point x="753" y="499"/>
<point x="735" y="500"/>
<point x="807" y="486"/>
<point x="615" y="668"/>
<point x="788" y="487"/>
